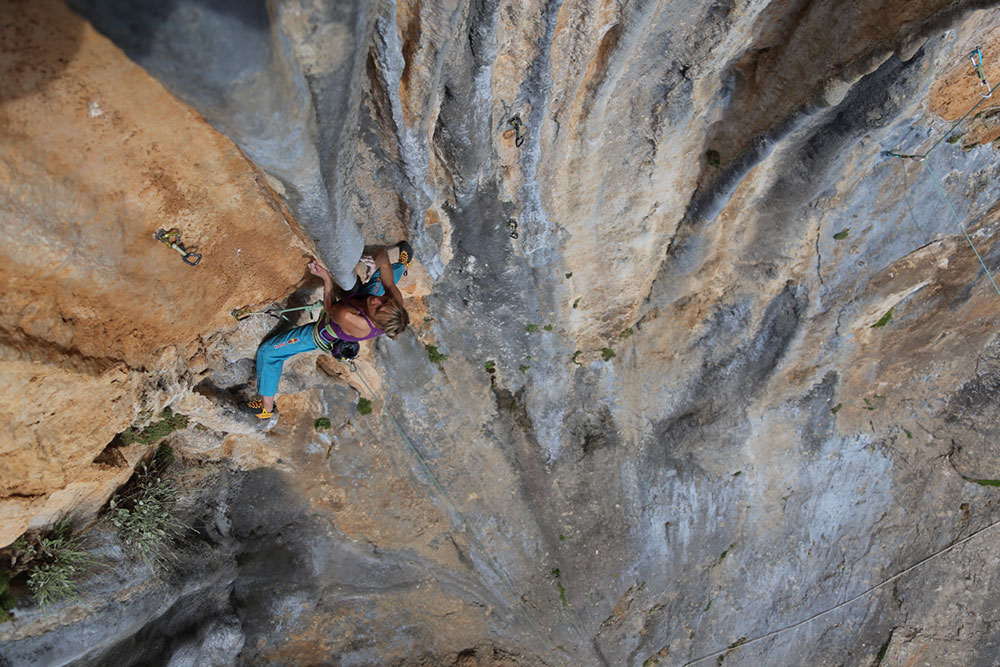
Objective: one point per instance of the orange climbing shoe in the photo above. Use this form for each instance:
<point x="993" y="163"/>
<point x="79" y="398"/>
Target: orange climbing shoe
<point x="405" y="254"/>
<point x="256" y="408"/>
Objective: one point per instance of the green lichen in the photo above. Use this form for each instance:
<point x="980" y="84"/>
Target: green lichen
<point x="166" y="423"/>
<point x="434" y="355"/>
<point x="884" y="320"/>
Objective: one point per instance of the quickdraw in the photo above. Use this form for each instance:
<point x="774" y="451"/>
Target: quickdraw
<point x="976" y="56"/>
<point x="171" y="239"/>
<point x="512" y="223"/>
<point x="245" y="312"/>
<point x="518" y="126"/>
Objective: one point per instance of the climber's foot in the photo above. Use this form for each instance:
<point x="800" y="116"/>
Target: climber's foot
<point x="257" y="409"/>
<point x="405" y="253"/>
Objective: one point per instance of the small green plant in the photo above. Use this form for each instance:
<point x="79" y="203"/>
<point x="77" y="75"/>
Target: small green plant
<point x="575" y="356"/>
<point x="548" y="327"/>
<point x="523" y="368"/>
<point x="166" y="423"/>
<point x="364" y="406"/>
<point x="433" y="355"/>
<point x="491" y="366"/>
<point x="737" y="473"/>
<point x="7" y="600"/>
<point x="145" y="516"/>
<point x="626" y="334"/>
<point x="836" y="408"/>
<point x="969" y="147"/>
<point x="607" y="353"/>
<point x="55" y="563"/>
<point x="322" y="424"/>
<point x="713" y="158"/>
<point x="841" y="235"/>
<point x="908" y="434"/>
<point x="531" y="328"/>
<point x="955" y="138"/>
<point x="884" y="321"/>
<point x="569" y="275"/>
<point x="557" y="575"/>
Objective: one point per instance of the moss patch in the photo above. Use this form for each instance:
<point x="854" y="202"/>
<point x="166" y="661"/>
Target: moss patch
<point x="166" y="423"/>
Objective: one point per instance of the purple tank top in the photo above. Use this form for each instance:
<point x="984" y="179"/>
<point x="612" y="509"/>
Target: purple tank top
<point x="327" y="330"/>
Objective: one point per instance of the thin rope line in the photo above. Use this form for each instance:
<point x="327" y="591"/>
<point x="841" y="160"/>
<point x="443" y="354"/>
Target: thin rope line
<point x="437" y="485"/>
<point x="960" y="225"/>
<point x="768" y="635"/>
<point x="923" y="156"/>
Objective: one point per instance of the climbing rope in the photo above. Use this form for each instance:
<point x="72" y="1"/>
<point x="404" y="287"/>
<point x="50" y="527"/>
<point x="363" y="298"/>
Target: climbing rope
<point x="768" y="635"/>
<point x="244" y="312"/>
<point x="497" y="570"/>
<point x="958" y="221"/>
<point x="977" y="61"/>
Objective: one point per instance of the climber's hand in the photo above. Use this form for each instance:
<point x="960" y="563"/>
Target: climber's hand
<point x="317" y="269"/>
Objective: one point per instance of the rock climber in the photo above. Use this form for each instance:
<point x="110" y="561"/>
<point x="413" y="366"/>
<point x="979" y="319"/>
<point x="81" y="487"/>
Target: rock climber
<point x="373" y="308"/>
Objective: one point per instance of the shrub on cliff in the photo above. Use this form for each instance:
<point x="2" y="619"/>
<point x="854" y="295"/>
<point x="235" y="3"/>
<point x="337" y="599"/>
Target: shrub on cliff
<point x="145" y="514"/>
<point x="54" y="563"/>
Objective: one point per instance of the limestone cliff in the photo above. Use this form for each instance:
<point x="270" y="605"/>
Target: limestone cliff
<point x="719" y="371"/>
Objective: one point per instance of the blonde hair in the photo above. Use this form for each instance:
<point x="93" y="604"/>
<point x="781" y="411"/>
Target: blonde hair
<point x="392" y="318"/>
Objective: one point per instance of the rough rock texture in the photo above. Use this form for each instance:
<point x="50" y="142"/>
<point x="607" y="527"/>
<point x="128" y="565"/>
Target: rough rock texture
<point x="675" y="425"/>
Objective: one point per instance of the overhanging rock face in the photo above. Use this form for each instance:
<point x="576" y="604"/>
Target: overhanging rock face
<point x="717" y="367"/>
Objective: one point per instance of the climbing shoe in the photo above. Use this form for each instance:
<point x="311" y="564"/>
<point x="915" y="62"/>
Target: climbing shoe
<point x="256" y="408"/>
<point x="405" y="254"/>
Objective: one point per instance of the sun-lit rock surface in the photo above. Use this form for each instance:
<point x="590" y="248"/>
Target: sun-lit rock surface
<point x="676" y="423"/>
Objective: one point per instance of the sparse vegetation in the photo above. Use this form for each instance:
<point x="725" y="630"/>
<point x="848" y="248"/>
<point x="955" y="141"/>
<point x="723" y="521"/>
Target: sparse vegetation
<point x="322" y="424"/>
<point x="7" y="600"/>
<point x="55" y="563"/>
<point x="165" y="424"/>
<point x="434" y="355"/>
<point x="884" y="321"/>
<point x="836" y="408"/>
<point x="607" y="353"/>
<point x="575" y="355"/>
<point x="841" y="235"/>
<point x="491" y="366"/>
<point x="364" y="406"/>
<point x="548" y="327"/>
<point x="713" y="158"/>
<point x="523" y="368"/>
<point x="145" y="515"/>
<point x="531" y="328"/>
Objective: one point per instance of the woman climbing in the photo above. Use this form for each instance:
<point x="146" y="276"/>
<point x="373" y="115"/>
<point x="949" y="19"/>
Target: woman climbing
<point x="373" y="308"/>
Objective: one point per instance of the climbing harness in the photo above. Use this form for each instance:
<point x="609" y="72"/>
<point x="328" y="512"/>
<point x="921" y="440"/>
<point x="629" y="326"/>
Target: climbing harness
<point x="171" y="239"/>
<point x="977" y="61"/>
<point x="512" y="223"/>
<point x="518" y="126"/>
<point x="497" y="570"/>
<point x="245" y="311"/>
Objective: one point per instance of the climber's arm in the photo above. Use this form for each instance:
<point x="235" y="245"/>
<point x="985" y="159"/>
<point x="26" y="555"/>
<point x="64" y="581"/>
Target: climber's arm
<point x="317" y="269"/>
<point x="385" y="275"/>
